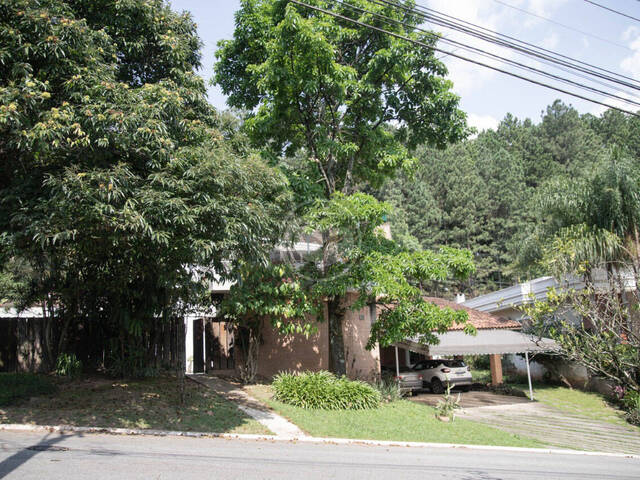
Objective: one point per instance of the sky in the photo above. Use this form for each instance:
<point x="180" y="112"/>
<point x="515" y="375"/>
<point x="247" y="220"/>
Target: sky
<point x="570" y="27"/>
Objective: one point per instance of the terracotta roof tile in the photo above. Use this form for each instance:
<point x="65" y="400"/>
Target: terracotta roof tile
<point x="480" y="320"/>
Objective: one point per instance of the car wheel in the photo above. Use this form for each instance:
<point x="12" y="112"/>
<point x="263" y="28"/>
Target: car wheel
<point x="437" y="386"/>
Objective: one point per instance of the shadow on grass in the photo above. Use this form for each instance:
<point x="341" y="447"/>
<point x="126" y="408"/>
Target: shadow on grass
<point x="143" y="404"/>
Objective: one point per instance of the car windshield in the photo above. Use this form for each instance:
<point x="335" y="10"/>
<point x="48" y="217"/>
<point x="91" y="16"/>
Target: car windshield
<point x="453" y="363"/>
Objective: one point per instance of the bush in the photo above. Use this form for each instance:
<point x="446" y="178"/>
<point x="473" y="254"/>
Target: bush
<point x="389" y="390"/>
<point x="68" y="365"/>
<point x="631" y="403"/>
<point x="448" y="405"/>
<point x="323" y="390"/>
<point x="15" y="386"/>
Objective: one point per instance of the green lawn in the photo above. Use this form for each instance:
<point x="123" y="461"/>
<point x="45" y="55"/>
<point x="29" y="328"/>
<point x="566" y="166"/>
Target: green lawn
<point x="149" y="403"/>
<point x="587" y="404"/>
<point x="401" y="421"/>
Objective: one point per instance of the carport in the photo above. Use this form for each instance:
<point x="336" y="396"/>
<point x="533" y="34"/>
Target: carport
<point x="494" y="342"/>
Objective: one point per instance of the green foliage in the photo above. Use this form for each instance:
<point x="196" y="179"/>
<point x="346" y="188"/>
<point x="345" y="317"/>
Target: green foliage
<point x="275" y="293"/>
<point x="118" y="178"/>
<point x="631" y="403"/>
<point x="322" y="390"/>
<point x="18" y="386"/>
<point x="323" y="93"/>
<point x="590" y="220"/>
<point x="68" y="365"/>
<point x="384" y="273"/>
<point x="487" y="194"/>
<point x="596" y="328"/>
<point x="328" y="87"/>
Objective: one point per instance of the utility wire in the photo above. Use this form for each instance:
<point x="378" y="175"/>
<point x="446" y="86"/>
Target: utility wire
<point x="436" y="49"/>
<point x="562" y="25"/>
<point x="486" y="54"/>
<point x="506" y="41"/>
<point x="612" y="10"/>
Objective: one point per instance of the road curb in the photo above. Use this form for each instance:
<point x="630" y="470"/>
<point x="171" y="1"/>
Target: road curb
<point x="303" y="439"/>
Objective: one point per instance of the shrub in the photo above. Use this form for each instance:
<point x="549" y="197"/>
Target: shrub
<point x="68" y="365"/>
<point x="323" y="390"/>
<point x="15" y="386"/>
<point x="448" y="405"/>
<point x="389" y="390"/>
<point x="631" y="403"/>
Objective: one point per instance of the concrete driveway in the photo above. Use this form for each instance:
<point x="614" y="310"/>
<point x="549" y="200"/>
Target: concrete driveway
<point x="471" y="399"/>
<point x="542" y="422"/>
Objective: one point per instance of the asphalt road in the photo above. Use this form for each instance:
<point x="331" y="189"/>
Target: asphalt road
<point x="39" y="456"/>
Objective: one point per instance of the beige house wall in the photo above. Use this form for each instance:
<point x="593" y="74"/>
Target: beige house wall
<point x="294" y="353"/>
<point x="361" y="363"/>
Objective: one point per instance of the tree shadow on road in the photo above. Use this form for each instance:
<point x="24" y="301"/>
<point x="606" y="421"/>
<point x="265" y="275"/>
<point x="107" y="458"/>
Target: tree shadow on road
<point x="22" y="456"/>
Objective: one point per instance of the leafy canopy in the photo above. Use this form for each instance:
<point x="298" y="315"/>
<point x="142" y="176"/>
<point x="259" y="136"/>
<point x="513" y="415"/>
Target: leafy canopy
<point x="116" y="177"/>
<point x="326" y="86"/>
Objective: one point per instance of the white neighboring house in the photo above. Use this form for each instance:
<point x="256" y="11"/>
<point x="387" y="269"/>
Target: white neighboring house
<point x="506" y="303"/>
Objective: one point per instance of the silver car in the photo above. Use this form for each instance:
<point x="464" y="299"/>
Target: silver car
<point x="408" y="380"/>
<point x="437" y="373"/>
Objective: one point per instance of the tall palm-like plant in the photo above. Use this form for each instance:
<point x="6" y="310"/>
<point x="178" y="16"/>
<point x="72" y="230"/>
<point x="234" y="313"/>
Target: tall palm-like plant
<point x="589" y="221"/>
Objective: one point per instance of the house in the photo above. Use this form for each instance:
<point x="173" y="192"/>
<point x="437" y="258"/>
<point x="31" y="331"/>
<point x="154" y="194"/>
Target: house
<point x="218" y="352"/>
<point x="508" y="303"/>
<point x="495" y="336"/>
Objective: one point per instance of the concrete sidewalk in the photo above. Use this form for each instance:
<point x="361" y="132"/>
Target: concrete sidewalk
<point x="280" y="426"/>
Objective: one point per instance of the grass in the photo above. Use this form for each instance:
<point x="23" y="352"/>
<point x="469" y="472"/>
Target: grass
<point x="145" y="404"/>
<point x="17" y="386"/>
<point x="400" y="421"/>
<point x="577" y="402"/>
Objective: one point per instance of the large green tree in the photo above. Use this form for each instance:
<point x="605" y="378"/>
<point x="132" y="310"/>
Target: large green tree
<point x="324" y="91"/>
<point x="116" y="178"/>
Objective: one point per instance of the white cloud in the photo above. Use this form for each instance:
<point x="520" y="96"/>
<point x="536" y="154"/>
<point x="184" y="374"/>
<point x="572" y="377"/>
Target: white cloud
<point x="550" y="42"/>
<point x="482" y="122"/>
<point x="631" y="64"/>
<point x="469" y="78"/>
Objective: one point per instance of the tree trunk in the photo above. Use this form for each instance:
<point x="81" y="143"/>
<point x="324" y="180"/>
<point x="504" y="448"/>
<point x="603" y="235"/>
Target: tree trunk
<point x="251" y="348"/>
<point x="335" y="312"/>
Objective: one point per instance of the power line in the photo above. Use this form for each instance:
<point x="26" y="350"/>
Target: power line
<point x="486" y="54"/>
<point x="520" y="46"/>
<point x="562" y="25"/>
<point x="436" y="49"/>
<point x="513" y="43"/>
<point x="612" y="10"/>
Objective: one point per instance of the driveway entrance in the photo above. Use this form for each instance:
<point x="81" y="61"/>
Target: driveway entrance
<point x="542" y="422"/>
<point x="472" y="399"/>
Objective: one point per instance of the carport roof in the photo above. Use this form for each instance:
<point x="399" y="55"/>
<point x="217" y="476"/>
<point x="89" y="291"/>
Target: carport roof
<point x="486" y="342"/>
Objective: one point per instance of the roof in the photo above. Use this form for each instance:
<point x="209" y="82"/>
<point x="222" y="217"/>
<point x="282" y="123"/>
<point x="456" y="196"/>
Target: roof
<point x="480" y="320"/>
<point x="486" y="342"/>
